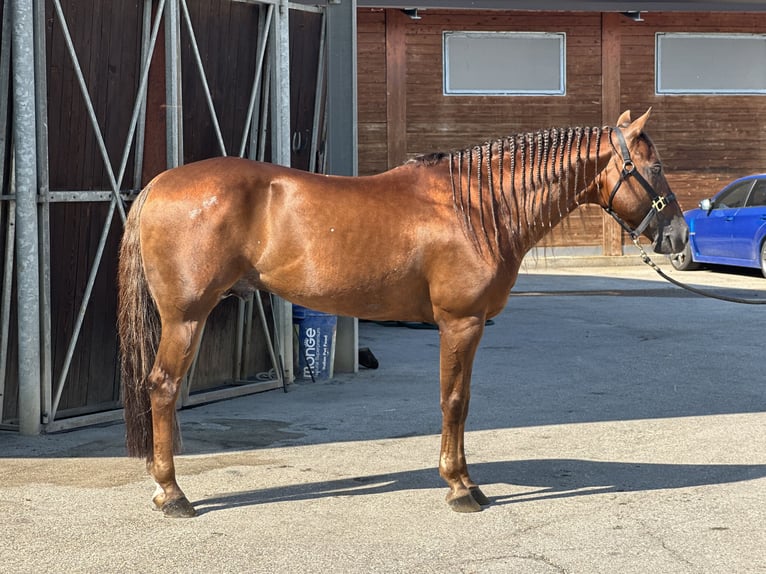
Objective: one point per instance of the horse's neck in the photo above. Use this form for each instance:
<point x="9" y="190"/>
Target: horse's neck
<point x="542" y="207"/>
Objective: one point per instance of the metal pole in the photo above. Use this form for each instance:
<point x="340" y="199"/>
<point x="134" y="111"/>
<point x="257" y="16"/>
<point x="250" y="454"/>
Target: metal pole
<point x="25" y="159"/>
<point x="280" y="154"/>
<point x="265" y="107"/>
<point x="203" y="77"/>
<point x="5" y="142"/>
<point x="5" y="79"/>
<point x="173" y="84"/>
<point x="43" y="185"/>
<point x="146" y="27"/>
<point x="273" y="353"/>
<point x="281" y="133"/>
<point x="83" y="308"/>
<point x="318" y="96"/>
<point x="89" y="107"/>
<point x="250" y="133"/>
<point x="262" y="42"/>
<point x="139" y="104"/>
<point x="341" y="89"/>
<point x="342" y="138"/>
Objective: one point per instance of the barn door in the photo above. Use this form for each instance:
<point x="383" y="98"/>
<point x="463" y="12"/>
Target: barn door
<point x="206" y="73"/>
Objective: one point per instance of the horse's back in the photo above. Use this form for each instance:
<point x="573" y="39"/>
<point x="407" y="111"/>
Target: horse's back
<point x="364" y="246"/>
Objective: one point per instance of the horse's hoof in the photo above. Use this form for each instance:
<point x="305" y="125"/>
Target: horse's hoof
<point x="464" y="503"/>
<point x="479" y="496"/>
<point x="178" y="508"/>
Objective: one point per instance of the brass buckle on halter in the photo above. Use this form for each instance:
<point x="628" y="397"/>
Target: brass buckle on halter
<point x="659" y="204"/>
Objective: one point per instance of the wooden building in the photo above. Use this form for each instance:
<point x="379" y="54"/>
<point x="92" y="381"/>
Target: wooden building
<point x="707" y="134"/>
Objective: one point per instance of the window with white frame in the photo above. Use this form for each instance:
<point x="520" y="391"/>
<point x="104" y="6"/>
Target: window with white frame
<point x="690" y="63"/>
<point x="504" y="63"/>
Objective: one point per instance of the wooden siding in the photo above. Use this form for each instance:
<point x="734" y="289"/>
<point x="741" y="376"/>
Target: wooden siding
<point x="705" y="141"/>
<point x="371" y="91"/>
<point x="435" y="121"/>
<point x="699" y="137"/>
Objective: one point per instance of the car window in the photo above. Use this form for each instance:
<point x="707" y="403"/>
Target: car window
<point x="758" y="195"/>
<point x="734" y="196"/>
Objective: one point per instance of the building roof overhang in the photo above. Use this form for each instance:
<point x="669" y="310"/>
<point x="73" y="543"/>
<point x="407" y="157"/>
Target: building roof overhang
<point x="576" y="5"/>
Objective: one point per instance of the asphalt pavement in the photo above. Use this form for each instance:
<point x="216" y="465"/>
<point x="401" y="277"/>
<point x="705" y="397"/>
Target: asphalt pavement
<point x="617" y="424"/>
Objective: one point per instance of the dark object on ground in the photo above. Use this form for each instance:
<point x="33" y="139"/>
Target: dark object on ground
<point x="367" y="359"/>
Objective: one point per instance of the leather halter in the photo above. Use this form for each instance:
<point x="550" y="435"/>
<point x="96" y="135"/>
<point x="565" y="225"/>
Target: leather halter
<point x="659" y="202"/>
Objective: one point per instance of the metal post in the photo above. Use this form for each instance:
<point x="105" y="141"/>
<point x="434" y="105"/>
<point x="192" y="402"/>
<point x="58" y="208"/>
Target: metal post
<point x="319" y="98"/>
<point x="280" y="154"/>
<point x="264" y="31"/>
<point x="43" y="185"/>
<point x="342" y="138"/>
<point x="203" y="78"/>
<point x="281" y="112"/>
<point x="173" y="84"/>
<point x="89" y="107"/>
<point x="25" y="162"/>
<point x="146" y="27"/>
<point x="5" y="142"/>
<point x="341" y="89"/>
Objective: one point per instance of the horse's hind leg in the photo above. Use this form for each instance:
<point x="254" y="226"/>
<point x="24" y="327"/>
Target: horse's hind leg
<point x="175" y="353"/>
<point x="459" y="339"/>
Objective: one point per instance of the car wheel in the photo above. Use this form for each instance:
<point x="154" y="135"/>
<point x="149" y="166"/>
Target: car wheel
<point x="683" y="261"/>
<point x="763" y="258"/>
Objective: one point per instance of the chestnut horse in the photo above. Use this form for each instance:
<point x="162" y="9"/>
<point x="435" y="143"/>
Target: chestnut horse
<point x="439" y="239"/>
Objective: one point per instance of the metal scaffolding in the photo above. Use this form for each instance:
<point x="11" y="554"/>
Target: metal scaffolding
<point x="26" y="199"/>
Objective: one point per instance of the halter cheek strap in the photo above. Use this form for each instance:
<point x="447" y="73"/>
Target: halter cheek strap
<point x="659" y="202"/>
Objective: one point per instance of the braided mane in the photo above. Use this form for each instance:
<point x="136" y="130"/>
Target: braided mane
<point x="520" y="183"/>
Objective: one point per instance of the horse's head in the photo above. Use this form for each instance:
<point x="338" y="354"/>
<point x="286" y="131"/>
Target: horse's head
<point x="633" y="189"/>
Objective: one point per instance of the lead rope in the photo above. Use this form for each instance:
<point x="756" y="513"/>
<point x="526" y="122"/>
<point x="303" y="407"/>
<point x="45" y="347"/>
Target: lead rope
<point x="645" y="257"/>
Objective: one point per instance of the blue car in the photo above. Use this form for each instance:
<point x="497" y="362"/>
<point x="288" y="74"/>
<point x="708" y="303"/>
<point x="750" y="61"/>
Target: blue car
<point x="728" y="229"/>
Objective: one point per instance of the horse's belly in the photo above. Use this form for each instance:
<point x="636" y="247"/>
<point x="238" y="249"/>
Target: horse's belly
<point x="372" y="296"/>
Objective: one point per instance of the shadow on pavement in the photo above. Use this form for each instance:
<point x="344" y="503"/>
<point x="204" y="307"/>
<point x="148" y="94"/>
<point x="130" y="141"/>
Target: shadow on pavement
<point x="552" y="478"/>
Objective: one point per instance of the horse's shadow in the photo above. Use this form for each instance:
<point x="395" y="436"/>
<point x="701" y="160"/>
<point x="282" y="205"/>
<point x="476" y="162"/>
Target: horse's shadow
<point x="539" y="479"/>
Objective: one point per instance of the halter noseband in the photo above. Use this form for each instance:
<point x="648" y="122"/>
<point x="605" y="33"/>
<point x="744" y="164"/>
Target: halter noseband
<point x="659" y="202"/>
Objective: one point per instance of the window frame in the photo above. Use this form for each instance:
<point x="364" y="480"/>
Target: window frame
<point x="448" y="90"/>
<point x="659" y="90"/>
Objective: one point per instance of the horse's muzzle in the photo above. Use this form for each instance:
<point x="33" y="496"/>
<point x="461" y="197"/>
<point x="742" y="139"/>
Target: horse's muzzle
<point x="672" y="238"/>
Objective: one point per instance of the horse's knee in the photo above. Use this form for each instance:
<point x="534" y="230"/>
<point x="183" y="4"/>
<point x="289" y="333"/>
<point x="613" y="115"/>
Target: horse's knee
<point x="163" y="388"/>
<point x="453" y="407"/>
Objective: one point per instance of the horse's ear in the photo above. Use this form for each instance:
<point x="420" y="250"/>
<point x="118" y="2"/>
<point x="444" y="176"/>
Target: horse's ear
<point x="636" y="127"/>
<point x="624" y="119"/>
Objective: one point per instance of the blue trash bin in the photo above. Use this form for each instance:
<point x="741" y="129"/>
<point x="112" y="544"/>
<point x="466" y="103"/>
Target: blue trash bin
<point x="316" y="343"/>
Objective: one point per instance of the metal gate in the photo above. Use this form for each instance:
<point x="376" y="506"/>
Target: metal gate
<point x="61" y="224"/>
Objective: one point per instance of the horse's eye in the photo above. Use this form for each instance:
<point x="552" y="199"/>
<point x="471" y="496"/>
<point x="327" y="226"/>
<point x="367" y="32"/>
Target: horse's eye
<point x="656" y="168"/>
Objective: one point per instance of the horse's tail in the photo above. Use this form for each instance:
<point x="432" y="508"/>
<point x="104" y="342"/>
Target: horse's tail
<point x="138" y="325"/>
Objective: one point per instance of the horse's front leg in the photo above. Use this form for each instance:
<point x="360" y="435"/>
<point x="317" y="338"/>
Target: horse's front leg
<point x="459" y="340"/>
<point x="174" y="355"/>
